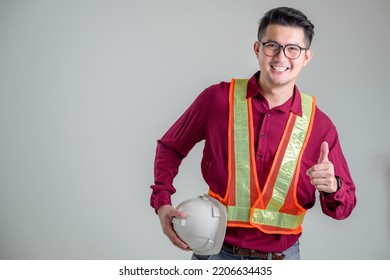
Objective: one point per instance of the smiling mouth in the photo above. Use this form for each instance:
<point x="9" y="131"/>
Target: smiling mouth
<point x="280" y="68"/>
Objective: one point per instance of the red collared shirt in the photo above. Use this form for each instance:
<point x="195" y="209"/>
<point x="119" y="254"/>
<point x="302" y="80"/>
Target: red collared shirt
<point x="207" y="119"/>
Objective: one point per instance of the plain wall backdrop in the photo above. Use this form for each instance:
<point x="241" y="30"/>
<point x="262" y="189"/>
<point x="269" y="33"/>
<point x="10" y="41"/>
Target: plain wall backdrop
<point x="87" y="87"/>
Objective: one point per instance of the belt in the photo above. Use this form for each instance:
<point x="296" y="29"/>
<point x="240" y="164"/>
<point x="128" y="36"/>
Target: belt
<point x="238" y="251"/>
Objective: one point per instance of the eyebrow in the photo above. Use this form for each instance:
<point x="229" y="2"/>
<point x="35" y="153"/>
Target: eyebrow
<point x="273" y="41"/>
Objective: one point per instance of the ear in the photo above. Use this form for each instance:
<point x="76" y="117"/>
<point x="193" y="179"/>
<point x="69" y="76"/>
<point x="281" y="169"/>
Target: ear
<point x="308" y="56"/>
<point x="256" y="48"/>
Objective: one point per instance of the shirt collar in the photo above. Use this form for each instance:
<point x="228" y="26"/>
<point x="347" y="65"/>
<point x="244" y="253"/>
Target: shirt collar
<point x="293" y="104"/>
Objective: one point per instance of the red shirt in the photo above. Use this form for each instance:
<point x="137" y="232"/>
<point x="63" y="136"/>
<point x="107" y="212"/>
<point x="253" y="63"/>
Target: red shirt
<point x="207" y="119"/>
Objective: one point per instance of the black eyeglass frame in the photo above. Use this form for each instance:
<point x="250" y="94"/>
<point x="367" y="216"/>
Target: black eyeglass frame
<point x="281" y="47"/>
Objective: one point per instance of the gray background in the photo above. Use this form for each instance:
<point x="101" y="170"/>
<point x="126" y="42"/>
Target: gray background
<point x="87" y="87"/>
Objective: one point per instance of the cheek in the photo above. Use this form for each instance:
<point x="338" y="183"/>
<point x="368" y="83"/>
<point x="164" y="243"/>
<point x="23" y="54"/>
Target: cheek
<point x="263" y="61"/>
<point x="298" y="65"/>
<point x="262" y="65"/>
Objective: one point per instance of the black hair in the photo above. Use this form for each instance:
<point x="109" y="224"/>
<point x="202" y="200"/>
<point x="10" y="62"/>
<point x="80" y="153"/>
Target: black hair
<point x="288" y="17"/>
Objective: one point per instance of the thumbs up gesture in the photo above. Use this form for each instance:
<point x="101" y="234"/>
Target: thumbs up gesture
<point x="322" y="174"/>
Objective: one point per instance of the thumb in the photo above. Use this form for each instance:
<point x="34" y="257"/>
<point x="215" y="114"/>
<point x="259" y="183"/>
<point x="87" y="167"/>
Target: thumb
<point x="324" y="152"/>
<point x="180" y="214"/>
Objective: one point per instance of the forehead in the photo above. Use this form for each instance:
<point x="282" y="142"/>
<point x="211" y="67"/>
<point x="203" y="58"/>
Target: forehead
<point x="284" y="34"/>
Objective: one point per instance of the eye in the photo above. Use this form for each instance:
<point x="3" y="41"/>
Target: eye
<point x="292" y="48"/>
<point x="271" y="45"/>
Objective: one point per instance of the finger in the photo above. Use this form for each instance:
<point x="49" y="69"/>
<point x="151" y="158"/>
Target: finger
<point x="320" y="181"/>
<point x="173" y="237"/>
<point x="176" y="240"/>
<point x="180" y="214"/>
<point x="171" y="233"/>
<point x="324" y="153"/>
<point x="319" y="170"/>
<point x="327" y="185"/>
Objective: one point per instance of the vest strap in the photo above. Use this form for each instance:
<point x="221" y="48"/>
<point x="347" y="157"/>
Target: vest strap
<point x="272" y="215"/>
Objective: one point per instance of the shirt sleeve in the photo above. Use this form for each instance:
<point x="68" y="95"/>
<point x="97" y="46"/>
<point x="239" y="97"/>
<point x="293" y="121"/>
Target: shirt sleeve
<point x="339" y="205"/>
<point x="173" y="147"/>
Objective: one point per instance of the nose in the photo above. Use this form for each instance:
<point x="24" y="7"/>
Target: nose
<point x="281" y="54"/>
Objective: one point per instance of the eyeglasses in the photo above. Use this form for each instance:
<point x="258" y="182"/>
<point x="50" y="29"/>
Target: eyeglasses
<point x="291" y="51"/>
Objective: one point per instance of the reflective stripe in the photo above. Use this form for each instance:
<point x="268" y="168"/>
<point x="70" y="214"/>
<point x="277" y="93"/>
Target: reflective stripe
<point x="277" y="219"/>
<point x="242" y="155"/>
<point x="272" y="216"/>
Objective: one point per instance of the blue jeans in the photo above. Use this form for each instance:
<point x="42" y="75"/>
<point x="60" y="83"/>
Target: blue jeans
<point x="291" y="253"/>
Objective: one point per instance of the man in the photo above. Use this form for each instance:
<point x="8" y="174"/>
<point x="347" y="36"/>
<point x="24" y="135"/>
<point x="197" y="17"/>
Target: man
<point x="268" y="149"/>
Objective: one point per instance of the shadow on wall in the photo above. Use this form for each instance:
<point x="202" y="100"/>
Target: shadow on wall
<point x="388" y="191"/>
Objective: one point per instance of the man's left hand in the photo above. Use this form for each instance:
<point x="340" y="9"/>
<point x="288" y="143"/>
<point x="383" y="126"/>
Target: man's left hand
<point x="322" y="174"/>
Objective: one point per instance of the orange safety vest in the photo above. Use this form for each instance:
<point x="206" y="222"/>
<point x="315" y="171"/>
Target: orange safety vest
<point x="275" y="209"/>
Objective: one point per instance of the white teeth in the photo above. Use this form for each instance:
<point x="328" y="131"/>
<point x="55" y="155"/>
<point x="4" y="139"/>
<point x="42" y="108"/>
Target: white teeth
<point x="280" y="69"/>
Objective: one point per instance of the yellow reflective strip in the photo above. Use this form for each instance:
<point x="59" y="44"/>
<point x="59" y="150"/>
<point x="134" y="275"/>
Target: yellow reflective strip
<point x="241" y="145"/>
<point x="271" y="215"/>
<point x="290" y="158"/>
<point x="236" y="213"/>
<point x="277" y="219"/>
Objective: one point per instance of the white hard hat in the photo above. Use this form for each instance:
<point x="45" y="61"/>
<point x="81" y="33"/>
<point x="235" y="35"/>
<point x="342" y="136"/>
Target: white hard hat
<point x="204" y="227"/>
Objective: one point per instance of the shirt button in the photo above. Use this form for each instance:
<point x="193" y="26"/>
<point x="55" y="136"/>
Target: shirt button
<point x="259" y="156"/>
<point x="262" y="135"/>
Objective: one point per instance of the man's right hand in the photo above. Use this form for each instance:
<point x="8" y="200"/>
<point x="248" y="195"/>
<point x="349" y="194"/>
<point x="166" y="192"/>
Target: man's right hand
<point x="166" y="213"/>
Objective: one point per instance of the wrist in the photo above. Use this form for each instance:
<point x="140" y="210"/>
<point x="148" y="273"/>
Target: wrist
<point x="337" y="185"/>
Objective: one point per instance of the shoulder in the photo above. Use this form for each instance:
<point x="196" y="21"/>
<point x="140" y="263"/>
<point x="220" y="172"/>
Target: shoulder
<point x="216" y="94"/>
<point x="324" y="128"/>
<point x="215" y="89"/>
<point x="321" y="119"/>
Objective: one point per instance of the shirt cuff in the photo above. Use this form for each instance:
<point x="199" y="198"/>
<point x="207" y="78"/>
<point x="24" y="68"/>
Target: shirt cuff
<point x="333" y="199"/>
<point x="160" y="198"/>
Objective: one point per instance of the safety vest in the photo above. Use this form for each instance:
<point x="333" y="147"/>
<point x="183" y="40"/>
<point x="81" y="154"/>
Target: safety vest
<point x="275" y="208"/>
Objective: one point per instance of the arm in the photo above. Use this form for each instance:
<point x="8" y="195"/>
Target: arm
<point x="172" y="148"/>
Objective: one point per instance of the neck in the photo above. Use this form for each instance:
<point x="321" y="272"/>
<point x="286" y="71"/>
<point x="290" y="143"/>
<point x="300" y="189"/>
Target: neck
<point x="277" y="96"/>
